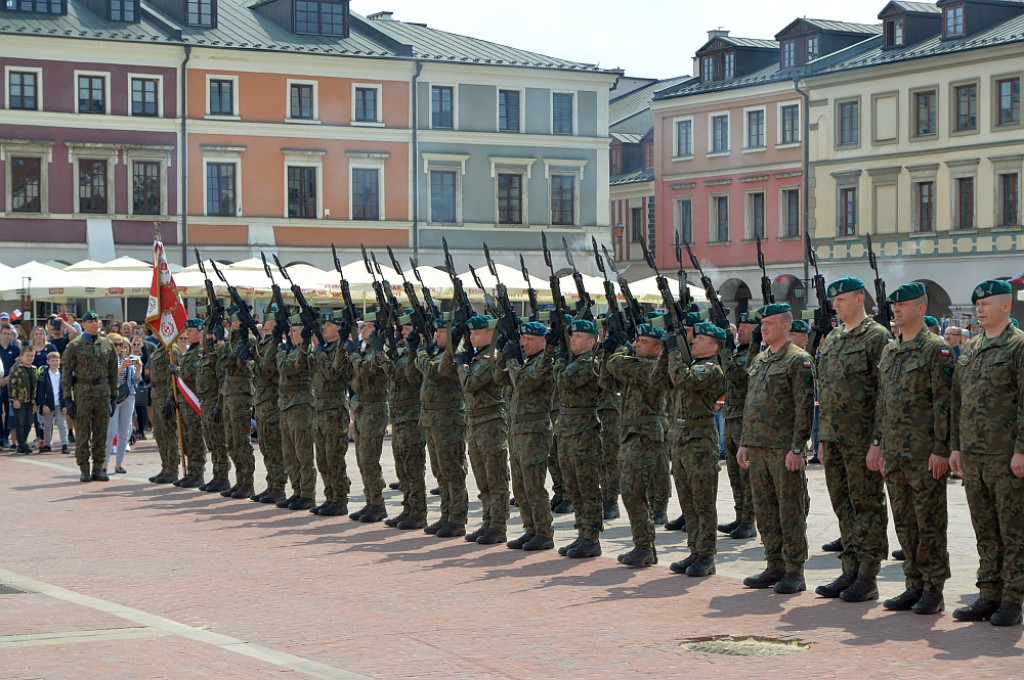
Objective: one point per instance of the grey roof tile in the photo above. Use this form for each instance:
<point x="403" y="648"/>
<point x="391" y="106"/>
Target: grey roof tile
<point x="636" y="101"/>
<point x="845" y="27"/>
<point x="645" y="175"/>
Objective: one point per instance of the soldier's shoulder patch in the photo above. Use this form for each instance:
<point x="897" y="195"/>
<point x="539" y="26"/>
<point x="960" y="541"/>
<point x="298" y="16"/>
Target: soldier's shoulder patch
<point x="709" y="363"/>
<point x="570" y="366"/>
<point x="702" y="369"/>
<point x="948" y="369"/>
<point x="945" y="352"/>
<point x="478" y="368"/>
<point x="807" y="363"/>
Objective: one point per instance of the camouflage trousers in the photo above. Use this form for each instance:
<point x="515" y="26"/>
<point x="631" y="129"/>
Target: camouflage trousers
<point x="610" y="434"/>
<point x="165" y="431"/>
<point x="268" y="427"/>
<point x="580" y="460"/>
<point x="92" y="419"/>
<point x="529" y="459"/>
<point x="661" y="489"/>
<point x="213" y="435"/>
<point x="297" y="447"/>
<point x="195" y="447"/>
<point x="996" y="498"/>
<point x="679" y="478"/>
<point x="638" y="477"/>
<point x="237" y="435"/>
<point x="487" y="444"/>
<point x="858" y="499"/>
<point x="555" y="469"/>
<point x="331" y="438"/>
<point x="409" y="447"/>
<point x="780" y="503"/>
<point x="696" y="464"/>
<point x="371" y="422"/>
<point x="446" y="443"/>
<point x="919" y="512"/>
<point x="739" y="477"/>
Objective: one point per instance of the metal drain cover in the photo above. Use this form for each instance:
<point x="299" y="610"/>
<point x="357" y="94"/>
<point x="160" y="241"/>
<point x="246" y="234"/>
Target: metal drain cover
<point x="749" y="645"/>
<point x="11" y="590"/>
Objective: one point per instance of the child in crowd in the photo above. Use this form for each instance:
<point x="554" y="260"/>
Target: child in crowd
<point x="50" y="403"/>
<point x="21" y="387"/>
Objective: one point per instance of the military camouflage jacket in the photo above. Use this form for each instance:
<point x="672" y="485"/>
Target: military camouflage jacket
<point x="264" y="370"/>
<point x="21" y="383"/>
<point x="405" y="386"/>
<point x="642" y="399"/>
<point x="369" y="381"/>
<point x="237" y="381"/>
<point x="699" y="385"/>
<point x="188" y="368"/>
<point x="295" y="377"/>
<point x="735" y="363"/>
<point x="441" y="396"/>
<point x="210" y="374"/>
<point x="609" y="387"/>
<point x="913" y="397"/>
<point x="986" y="403"/>
<point x="331" y="378"/>
<point x="159" y="375"/>
<point x="780" y="400"/>
<point x="89" y="369"/>
<point x="482" y="382"/>
<point x="580" y="396"/>
<point x="530" y="408"/>
<point x="848" y="383"/>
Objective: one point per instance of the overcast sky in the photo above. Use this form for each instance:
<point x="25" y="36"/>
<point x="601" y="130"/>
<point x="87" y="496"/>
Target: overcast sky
<point x="649" y="38"/>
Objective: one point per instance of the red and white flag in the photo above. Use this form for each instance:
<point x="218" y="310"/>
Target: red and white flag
<point x="189" y="395"/>
<point x="166" y="314"/>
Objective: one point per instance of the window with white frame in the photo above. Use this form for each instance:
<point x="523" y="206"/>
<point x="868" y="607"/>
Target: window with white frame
<point x="848" y="212"/>
<point x="684" y="219"/>
<point x="924" y="206"/>
<point x="201" y="13"/>
<point x="719" y="218"/>
<point x="965" y="103"/>
<point x="1008" y="199"/>
<point x="444" y="195"/>
<point x="222" y="188"/>
<point x="366" y="104"/>
<point x="510" y="111"/>
<point x="1008" y="101"/>
<point x="755" y="129"/>
<point x="511" y="197"/>
<point x="145" y="93"/>
<point x="123" y="10"/>
<point x="964" y="206"/>
<point x="719" y="142"/>
<point x="27" y="176"/>
<point x="789" y="121"/>
<point x="442" y="107"/>
<point x="222" y="95"/>
<point x="953" y="21"/>
<point x="563" y="113"/>
<point x="302" y="192"/>
<point x="93" y="92"/>
<point x="755" y="215"/>
<point x="563" y="199"/>
<point x="848" y="122"/>
<point x="792" y="209"/>
<point x="366" y="185"/>
<point x="684" y="138"/>
<point x="925" y="112"/>
<point x="24" y="88"/>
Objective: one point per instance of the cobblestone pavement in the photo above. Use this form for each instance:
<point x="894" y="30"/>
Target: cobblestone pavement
<point x="131" y="580"/>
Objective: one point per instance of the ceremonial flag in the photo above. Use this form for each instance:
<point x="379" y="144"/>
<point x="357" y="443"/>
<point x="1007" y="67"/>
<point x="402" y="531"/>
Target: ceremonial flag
<point x="1018" y="279"/>
<point x="166" y="314"/>
<point x="189" y="395"/>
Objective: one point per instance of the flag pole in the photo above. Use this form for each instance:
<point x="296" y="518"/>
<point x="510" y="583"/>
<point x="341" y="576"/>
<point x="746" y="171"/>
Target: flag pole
<point x="174" y="378"/>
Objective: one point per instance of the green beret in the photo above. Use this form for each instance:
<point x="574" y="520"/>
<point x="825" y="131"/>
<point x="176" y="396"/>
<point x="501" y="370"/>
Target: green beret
<point x="931" y="321"/>
<point x="692" y="319"/>
<point x="231" y="309"/>
<point x="479" y="322"/>
<point x="370" y="317"/>
<point x="800" y="326"/>
<point x="270" y="309"/>
<point x="748" y="317"/>
<point x="295" y="320"/>
<point x="195" y="323"/>
<point x="406" y="319"/>
<point x="709" y="329"/>
<point x="847" y="284"/>
<point x="583" y="326"/>
<point x="328" y="316"/>
<point x="986" y="289"/>
<point x="773" y="309"/>
<point x="907" y="292"/>
<point x="602" y="315"/>
<point x="533" y="328"/>
<point x="441" y="323"/>
<point x="655" y="313"/>
<point x="408" y="311"/>
<point x="567" y="319"/>
<point x="90" y="316"/>
<point x="646" y="330"/>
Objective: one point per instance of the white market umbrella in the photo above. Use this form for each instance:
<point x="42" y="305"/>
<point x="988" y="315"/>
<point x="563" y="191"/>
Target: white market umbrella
<point x="35" y="279"/>
<point x="646" y="290"/>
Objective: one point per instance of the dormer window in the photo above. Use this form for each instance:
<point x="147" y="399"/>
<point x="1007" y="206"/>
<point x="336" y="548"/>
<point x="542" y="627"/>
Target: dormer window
<point x="322" y="17"/>
<point x="813" y="48"/>
<point x="729" y="69"/>
<point x="953" y="21"/>
<point x="123" y="10"/>
<point x="37" y="6"/>
<point x="894" y="32"/>
<point x="721" y="65"/>
<point x="707" y="69"/>
<point x="201" y="13"/>
<point x="788" y="54"/>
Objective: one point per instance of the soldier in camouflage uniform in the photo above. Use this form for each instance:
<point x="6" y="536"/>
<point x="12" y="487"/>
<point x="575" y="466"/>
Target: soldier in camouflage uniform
<point x="208" y="381"/>
<point x="408" y="444"/>
<point x="266" y="382"/>
<point x="332" y="375"/>
<point x="530" y="414"/>
<point x="735" y="362"/>
<point x="577" y="374"/>
<point x="673" y="436"/>
<point x="776" y="424"/>
<point x="191" y="425"/>
<point x="486" y="428"/>
<point x="443" y="420"/>
<point x="987" y="442"/>
<point x="700" y="381"/>
<point x="237" y="393"/>
<point x="561" y="494"/>
<point x="295" y="400"/>
<point x="370" y="413"/>
<point x="165" y="426"/>
<point x="847" y="373"/>
<point x="915" y="373"/>
<point x="89" y="382"/>
<point x="643" y="380"/>
<point x="608" y="414"/>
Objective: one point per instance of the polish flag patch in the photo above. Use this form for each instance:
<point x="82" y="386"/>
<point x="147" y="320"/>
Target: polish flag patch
<point x="807" y="364"/>
<point x="945" y="352"/>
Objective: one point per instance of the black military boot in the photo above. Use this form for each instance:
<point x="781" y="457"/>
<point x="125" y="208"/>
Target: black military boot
<point x="358" y="513"/>
<point x="85" y="476"/>
<point x="743" y="530"/>
<point x="331" y="509"/>
<point x="682" y="565"/>
<point x="899" y="555"/>
<point x="285" y="502"/>
<point x="395" y="486"/>
<point x="863" y="589"/>
<point x="217" y="485"/>
<point x="193" y="481"/>
<point x="491" y="536"/>
<point x="790" y="584"/>
<point x="678" y="524"/>
<point x="301" y="503"/>
<point x="272" y="496"/>
<point x="905" y="601"/>
<point x="539" y="543"/>
<point x="639" y="557"/>
<point x="255" y="498"/>
<point x="244" y="491"/>
<point x="166" y="478"/>
<point x="411" y="522"/>
<point x="611" y="509"/>
<point x="979" y="610"/>
<point x="1008" y="614"/>
<point x="564" y="550"/>
<point x="518" y="543"/>
<point x="436" y="526"/>
<point x="393" y="521"/>
<point x="473" y="535"/>
<point x="931" y="602"/>
<point x="99" y="474"/>
<point x="727" y="528"/>
<point x="833" y="546"/>
<point x="702" y="566"/>
<point x="374" y="513"/>
<point x="451" y="530"/>
<point x="585" y="548"/>
<point x="833" y="589"/>
<point x="564" y="507"/>
<point x="231" y="492"/>
<point x="660" y="519"/>
<point x="766" y="579"/>
<point x="436" y="491"/>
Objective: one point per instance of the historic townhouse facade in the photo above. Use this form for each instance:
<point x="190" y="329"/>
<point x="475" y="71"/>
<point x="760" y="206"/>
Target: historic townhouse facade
<point x="304" y="125"/>
<point x="919" y="143"/>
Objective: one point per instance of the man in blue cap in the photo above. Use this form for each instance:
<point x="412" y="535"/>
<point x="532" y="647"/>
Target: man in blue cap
<point x="848" y="380"/>
<point x="987" y="442"/>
